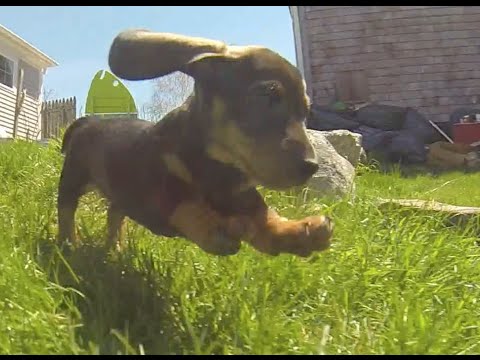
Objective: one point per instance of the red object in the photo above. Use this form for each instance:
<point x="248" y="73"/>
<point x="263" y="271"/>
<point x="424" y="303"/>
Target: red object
<point x="466" y="133"/>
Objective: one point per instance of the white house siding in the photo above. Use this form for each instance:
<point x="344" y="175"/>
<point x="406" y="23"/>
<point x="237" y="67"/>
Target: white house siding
<point x="28" y="120"/>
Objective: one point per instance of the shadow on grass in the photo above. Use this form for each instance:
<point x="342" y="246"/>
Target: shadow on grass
<point x="123" y="310"/>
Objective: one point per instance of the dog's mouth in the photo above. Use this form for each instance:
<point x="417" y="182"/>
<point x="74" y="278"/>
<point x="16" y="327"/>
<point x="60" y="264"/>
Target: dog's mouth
<point x="274" y="182"/>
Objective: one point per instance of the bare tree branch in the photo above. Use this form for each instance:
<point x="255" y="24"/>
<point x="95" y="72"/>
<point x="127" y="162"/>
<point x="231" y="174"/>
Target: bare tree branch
<point x="169" y="92"/>
<point x="47" y="94"/>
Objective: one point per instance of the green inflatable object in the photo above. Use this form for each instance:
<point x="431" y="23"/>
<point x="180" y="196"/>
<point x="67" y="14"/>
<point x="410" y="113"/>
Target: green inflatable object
<point x="107" y="95"/>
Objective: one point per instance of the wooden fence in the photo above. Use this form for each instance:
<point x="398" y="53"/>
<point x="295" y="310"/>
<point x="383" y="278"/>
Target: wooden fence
<point x="56" y="115"/>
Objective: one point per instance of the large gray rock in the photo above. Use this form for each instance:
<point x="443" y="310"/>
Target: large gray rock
<point x="346" y="143"/>
<point x="335" y="177"/>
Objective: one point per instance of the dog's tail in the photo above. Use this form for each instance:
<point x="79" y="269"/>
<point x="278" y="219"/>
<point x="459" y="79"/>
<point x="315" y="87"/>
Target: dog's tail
<point x="70" y="130"/>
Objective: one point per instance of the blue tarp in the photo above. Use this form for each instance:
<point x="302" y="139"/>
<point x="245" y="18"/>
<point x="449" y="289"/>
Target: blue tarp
<point x="401" y="134"/>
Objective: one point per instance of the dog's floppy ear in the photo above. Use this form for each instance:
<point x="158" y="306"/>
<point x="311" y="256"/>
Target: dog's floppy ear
<point x="140" y="54"/>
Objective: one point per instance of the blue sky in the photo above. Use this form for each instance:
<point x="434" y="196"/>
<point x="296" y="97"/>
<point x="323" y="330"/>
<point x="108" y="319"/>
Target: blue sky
<point x="78" y="37"/>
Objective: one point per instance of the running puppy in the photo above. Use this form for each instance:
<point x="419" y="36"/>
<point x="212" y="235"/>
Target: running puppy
<point x="193" y="174"/>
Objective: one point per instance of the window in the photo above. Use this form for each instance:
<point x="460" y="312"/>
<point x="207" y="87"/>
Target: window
<point x="31" y="79"/>
<point x="6" y="71"/>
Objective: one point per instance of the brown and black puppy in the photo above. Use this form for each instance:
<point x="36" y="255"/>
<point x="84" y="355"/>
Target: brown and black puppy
<point x="193" y="174"/>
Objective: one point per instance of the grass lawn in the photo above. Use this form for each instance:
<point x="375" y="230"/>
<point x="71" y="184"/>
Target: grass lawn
<point x="389" y="284"/>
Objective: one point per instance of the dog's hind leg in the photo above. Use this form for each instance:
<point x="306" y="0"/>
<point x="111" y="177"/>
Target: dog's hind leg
<point x="72" y="185"/>
<point x="115" y="224"/>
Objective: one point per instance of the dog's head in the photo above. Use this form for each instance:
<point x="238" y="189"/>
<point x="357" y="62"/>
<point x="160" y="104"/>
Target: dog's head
<point x="255" y="100"/>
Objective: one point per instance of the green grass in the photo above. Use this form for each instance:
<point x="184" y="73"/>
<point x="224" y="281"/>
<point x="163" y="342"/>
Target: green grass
<point x="388" y="285"/>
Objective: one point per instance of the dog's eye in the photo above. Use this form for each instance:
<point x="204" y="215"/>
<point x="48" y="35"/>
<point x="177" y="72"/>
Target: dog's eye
<point x="274" y="94"/>
<point x="268" y="93"/>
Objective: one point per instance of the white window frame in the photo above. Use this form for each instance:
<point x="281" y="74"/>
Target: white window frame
<point x="13" y="63"/>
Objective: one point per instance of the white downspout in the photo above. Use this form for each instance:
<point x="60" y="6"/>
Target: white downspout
<point x="40" y="101"/>
<point x="297" y="38"/>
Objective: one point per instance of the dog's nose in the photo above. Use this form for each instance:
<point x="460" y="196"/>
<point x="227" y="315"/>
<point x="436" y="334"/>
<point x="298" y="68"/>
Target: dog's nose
<point x="309" y="167"/>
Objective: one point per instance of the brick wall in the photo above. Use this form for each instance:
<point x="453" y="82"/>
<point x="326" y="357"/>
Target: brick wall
<point x="427" y="57"/>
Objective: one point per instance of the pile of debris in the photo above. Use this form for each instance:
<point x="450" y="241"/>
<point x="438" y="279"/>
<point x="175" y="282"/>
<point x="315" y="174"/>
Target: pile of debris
<point x="394" y="133"/>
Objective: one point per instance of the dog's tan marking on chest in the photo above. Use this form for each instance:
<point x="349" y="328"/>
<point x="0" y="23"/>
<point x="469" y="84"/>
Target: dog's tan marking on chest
<point x="176" y="167"/>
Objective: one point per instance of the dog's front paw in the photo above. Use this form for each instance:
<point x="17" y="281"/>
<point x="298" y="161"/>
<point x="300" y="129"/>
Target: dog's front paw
<point x="315" y="233"/>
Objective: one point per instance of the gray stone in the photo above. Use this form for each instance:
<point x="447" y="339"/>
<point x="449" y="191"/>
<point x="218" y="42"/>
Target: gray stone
<point x="335" y="177"/>
<point x="346" y="143"/>
<point x="363" y="157"/>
